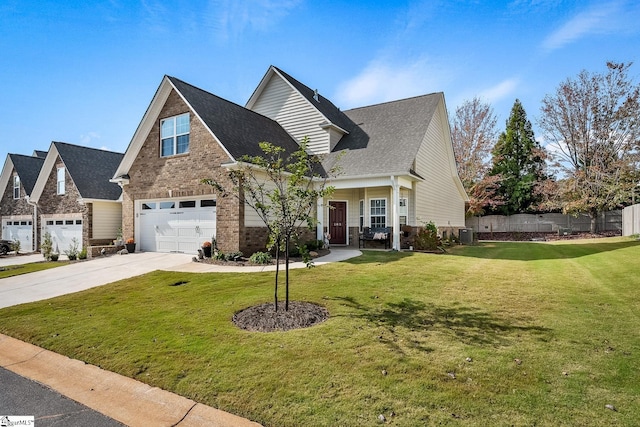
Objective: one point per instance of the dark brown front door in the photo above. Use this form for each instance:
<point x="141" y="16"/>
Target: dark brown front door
<point x="338" y="223"/>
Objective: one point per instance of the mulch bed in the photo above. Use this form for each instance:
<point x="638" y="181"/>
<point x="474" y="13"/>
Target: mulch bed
<point x="245" y="261"/>
<point x="264" y="318"/>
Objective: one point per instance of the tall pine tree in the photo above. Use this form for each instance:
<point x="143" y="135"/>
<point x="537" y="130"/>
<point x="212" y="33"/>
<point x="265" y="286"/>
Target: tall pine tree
<point x="519" y="162"/>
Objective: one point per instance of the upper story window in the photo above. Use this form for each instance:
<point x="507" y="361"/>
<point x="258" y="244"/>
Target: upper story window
<point x="378" y="213"/>
<point x="174" y="135"/>
<point x="16" y="187"/>
<point x="60" y="180"/>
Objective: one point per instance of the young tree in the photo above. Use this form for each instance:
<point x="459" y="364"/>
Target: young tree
<point x="473" y="134"/>
<point x="593" y="124"/>
<point x="519" y="161"/>
<point x="283" y="190"/>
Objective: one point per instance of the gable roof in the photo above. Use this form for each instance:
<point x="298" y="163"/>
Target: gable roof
<point x="28" y="168"/>
<point x="238" y="130"/>
<point x="89" y="168"/>
<point x="385" y="138"/>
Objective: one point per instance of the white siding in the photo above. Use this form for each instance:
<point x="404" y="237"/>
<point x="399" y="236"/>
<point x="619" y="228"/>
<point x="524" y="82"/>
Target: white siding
<point x="107" y="219"/>
<point x="438" y="198"/>
<point x="282" y="103"/>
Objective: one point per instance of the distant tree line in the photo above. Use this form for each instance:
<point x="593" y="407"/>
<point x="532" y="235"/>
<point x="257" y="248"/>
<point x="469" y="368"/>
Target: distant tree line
<point x="588" y="164"/>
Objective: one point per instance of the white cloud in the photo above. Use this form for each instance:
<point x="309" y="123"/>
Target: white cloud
<point x="230" y="18"/>
<point x="601" y="18"/>
<point x="88" y="138"/>
<point x="502" y="90"/>
<point x="386" y="81"/>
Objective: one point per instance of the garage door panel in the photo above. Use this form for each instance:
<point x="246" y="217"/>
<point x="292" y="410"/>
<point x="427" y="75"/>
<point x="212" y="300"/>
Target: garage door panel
<point x="179" y="230"/>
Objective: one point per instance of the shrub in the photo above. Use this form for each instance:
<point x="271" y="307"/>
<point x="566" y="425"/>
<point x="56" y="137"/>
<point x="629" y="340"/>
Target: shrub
<point x="220" y="256"/>
<point x="54" y="256"/>
<point x="72" y="252"/>
<point x="233" y="256"/>
<point x="260" y="258"/>
<point x="82" y="254"/>
<point x="427" y="238"/>
<point x="47" y="246"/>
<point x="206" y="244"/>
<point x="15" y="246"/>
<point x="314" y="245"/>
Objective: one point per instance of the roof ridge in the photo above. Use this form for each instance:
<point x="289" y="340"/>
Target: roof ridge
<point x="85" y="147"/>
<point x="395" y="101"/>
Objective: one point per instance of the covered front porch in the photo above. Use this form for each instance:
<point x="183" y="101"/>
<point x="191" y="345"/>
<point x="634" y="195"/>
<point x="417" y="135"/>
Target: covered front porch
<point x="375" y="203"/>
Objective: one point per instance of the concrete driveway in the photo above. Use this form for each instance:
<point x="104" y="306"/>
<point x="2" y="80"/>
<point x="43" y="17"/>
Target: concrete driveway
<point x="81" y="275"/>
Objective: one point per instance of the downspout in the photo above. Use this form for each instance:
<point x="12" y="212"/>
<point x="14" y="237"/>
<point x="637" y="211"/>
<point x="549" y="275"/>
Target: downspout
<point x="36" y="242"/>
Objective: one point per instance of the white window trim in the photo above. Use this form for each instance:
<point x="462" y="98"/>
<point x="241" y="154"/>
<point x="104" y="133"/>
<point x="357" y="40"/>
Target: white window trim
<point x="361" y="215"/>
<point x="16" y="186"/>
<point x="403" y="211"/>
<point x="60" y="190"/>
<point x="174" y="151"/>
<point x="385" y="210"/>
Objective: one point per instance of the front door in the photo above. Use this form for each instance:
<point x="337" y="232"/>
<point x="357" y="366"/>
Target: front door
<point x="338" y="223"/>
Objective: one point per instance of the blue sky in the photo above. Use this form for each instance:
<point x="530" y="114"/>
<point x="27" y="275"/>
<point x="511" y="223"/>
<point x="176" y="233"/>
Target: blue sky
<point x="84" y="72"/>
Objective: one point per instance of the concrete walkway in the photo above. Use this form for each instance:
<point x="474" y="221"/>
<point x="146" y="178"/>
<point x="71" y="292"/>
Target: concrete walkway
<point x="121" y="398"/>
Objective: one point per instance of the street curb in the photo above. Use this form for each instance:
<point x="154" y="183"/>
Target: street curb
<point x="124" y="399"/>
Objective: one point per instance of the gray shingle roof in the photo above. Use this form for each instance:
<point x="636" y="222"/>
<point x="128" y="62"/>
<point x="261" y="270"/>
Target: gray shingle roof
<point x="238" y="129"/>
<point x="91" y="170"/>
<point x="28" y="169"/>
<point x="385" y="138"/>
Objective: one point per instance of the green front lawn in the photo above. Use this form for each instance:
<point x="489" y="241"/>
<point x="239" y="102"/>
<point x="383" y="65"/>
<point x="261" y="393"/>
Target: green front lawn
<point x="569" y="313"/>
<point x="17" y="269"/>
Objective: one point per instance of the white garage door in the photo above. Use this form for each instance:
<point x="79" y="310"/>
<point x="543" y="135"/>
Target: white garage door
<point x="21" y="230"/>
<point x="63" y="231"/>
<point x="176" y="225"/>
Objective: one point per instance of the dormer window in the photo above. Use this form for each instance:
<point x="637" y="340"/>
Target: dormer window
<point x="174" y="135"/>
<point x="16" y="187"/>
<point x="60" y="180"/>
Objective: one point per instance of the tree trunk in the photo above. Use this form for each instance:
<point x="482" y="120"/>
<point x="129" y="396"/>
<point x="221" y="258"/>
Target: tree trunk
<point x="275" y="296"/>
<point x="593" y="215"/>
<point x="286" y="263"/>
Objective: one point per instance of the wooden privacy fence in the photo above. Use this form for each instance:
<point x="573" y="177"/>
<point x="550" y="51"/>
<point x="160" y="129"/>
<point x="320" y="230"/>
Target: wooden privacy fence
<point x="545" y="223"/>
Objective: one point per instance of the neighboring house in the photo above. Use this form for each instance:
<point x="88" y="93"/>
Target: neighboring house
<point x="75" y="198"/>
<point x="18" y="217"/>
<point x="396" y="161"/>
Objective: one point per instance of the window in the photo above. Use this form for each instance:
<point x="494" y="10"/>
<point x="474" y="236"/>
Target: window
<point x="403" y="211"/>
<point x="378" y="213"/>
<point x="207" y="203"/>
<point x="187" y="204"/>
<point x="16" y="187"/>
<point x="174" y="135"/>
<point x="167" y="205"/>
<point x="361" y="214"/>
<point x="61" y="180"/>
<point x="147" y="206"/>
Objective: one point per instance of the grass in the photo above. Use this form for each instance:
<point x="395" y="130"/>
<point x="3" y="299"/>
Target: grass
<point x="568" y="311"/>
<point x="15" y="270"/>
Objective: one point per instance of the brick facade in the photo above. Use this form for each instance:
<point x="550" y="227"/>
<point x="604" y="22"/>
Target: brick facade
<point x="154" y="177"/>
<point x="54" y="205"/>
<point x="11" y="208"/>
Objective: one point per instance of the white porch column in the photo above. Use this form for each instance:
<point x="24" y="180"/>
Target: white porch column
<point x="320" y="217"/>
<point x="396" y="209"/>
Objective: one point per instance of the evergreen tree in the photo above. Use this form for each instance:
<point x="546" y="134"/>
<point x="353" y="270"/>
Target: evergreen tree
<point x="519" y="162"/>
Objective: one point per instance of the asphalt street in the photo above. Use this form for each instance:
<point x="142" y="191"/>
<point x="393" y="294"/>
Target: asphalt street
<point x="21" y="396"/>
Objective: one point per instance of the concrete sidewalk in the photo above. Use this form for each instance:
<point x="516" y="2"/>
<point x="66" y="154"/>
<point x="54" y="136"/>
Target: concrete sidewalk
<point x="124" y="399"/>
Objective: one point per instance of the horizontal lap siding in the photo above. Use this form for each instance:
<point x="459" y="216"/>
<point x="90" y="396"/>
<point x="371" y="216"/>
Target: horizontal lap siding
<point x="437" y="197"/>
<point x="107" y="219"/>
<point x="286" y="106"/>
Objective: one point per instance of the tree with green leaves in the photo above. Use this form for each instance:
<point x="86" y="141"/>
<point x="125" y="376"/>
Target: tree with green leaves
<point x="284" y="191"/>
<point x="519" y="162"/>
<point x="593" y="124"/>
